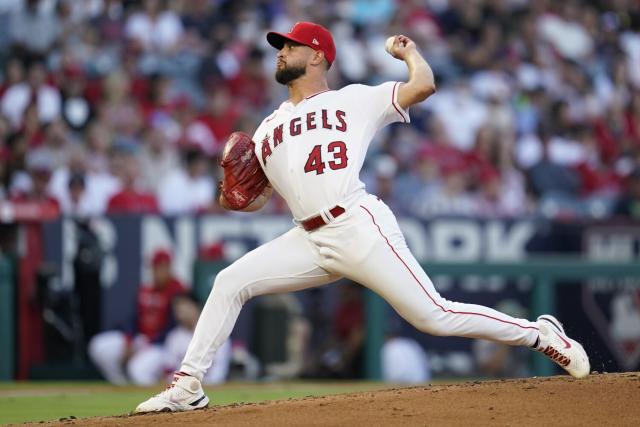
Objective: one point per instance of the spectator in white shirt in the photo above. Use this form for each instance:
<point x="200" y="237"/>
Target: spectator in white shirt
<point x="154" y="29"/>
<point x="89" y="197"/>
<point x="187" y="190"/>
<point x="156" y="158"/>
<point x="460" y="113"/>
<point x="35" y="90"/>
<point x="35" y="27"/>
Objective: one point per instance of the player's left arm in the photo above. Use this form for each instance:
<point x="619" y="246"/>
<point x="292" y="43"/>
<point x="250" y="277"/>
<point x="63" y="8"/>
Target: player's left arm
<point x="421" y="83"/>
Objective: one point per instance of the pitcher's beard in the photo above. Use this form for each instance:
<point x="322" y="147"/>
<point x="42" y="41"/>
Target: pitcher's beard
<point x="286" y="74"/>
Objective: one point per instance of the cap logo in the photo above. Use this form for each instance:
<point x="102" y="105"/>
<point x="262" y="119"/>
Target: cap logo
<point x="315" y="41"/>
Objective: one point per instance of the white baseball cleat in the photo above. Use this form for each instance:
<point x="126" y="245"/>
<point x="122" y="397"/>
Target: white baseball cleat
<point x="557" y="346"/>
<point x="184" y="394"/>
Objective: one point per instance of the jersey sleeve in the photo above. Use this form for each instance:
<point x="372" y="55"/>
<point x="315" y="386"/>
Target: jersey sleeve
<point x="381" y="103"/>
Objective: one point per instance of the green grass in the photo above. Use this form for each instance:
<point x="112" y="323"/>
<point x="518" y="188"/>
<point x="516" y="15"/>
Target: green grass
<point x="45" y="401"/>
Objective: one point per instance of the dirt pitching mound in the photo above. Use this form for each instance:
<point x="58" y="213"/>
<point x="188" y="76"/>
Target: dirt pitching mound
<point x="599" y="400"/>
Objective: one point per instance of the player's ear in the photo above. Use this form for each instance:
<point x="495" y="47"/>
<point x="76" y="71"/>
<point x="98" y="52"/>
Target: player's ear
<point x="318" y="57"/>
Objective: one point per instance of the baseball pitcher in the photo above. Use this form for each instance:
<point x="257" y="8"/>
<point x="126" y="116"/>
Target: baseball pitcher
<point x="310" y="150"/>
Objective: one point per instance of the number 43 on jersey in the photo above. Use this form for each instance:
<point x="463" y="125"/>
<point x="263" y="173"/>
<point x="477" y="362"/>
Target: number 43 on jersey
<point x="336" y="156"/>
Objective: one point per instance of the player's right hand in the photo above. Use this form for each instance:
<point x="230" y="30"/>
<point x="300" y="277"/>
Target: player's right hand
<point x="402" y="46"/>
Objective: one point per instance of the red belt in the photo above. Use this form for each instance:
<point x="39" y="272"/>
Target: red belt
<point x="318" y="221"/>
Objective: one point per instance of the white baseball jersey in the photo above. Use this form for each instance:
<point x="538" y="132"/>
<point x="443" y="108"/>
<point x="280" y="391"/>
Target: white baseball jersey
<point x="312" y="152"/>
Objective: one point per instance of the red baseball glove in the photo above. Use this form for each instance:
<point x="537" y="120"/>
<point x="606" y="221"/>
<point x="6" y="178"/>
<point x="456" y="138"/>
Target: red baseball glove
<point x="244" y="179"/>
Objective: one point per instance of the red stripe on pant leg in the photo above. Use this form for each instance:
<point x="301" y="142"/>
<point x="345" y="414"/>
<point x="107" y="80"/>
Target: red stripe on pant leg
<point x="426" y="292"/>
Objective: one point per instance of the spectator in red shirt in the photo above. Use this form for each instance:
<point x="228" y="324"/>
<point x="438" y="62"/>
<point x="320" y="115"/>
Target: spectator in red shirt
<point x="139" y="349"/>
<point x="119" y="110"/>
<point x="250" y="85"/>
<point x="154" y="301"/>
<point x="220" y="115"/>
<point x="632" y="119"/>
<point x="32" y="186"/>
<point x="130" y="199"/>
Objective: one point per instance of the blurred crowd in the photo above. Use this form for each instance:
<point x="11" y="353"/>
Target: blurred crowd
<point x="116" y="106"/>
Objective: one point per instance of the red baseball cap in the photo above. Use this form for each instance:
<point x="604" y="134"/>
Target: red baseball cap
<point x="309" y="34"/>
<point x="161" y="256"/>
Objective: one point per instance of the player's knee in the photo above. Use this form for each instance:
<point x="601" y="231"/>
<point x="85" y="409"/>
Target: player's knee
<point x="227" y="286"/>
<point x="429" y="325"/>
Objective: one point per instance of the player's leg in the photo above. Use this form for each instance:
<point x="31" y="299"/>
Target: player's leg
<point x="219" y="370"/>
<point x="175" y="347"/>
<point x="288" y="263"/>
<point x="371" y="250"/>
<point x="368" y="247"/>
<point x="285" y="264"/>
<point x="107" y="350"/>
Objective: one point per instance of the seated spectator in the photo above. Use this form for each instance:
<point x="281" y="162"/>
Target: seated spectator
<point x="12" y="75"/>
<point x="76" y="109"/>
<point x="250" y="84"/>
<point x="489" y="200"/>
<point x="628" y="205"/>
<point x="154" y="28"/>
<point x="34" y="185"/>
<point x="186" y="311"/>
<point x="460" y="113"/>
<point x="118" y="110"/>
<point x="18" y="148"/>
<point x="382" y="182"/>
<point x="5" y="155"/>
<point x="157" y="158"/>
<point x="220" y="114"/>
<point x="404" y="361"/>
<point x="159" y="98"/>
<point x="35" y="27"/>
<point x="499" y="195"/>
<point x="134" y="353"/>
<point x="131" y="199"/>
<point x="75" y="203"/>
<point x="450" y="198"/>
<point x="549" y="177"/>
<point x="187" y="190"/>
<point x="99" y="186"/>
<point x="632" y="118"/>
<point x="99" y="140"/>
<point x="57" y="143"/>
<point x="33" y="91"/>
<point x="31" y="128"/>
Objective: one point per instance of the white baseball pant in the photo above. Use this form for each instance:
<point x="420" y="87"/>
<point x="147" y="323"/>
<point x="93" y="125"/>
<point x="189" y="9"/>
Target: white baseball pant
<point x="364" y="244"/>
<point x="175" y="347"/>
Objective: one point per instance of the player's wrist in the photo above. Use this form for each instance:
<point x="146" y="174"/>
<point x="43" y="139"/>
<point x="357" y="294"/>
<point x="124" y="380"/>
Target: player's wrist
<point x="413" y="54"/>
<point x="222" y="201"/>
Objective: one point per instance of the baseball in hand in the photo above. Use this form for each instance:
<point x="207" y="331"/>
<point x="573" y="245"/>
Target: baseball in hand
<point x="388" y="45"/>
